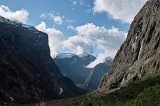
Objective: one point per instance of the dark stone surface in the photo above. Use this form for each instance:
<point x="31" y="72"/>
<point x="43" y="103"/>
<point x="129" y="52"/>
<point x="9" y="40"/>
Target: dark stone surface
<point x="27" y="72"/>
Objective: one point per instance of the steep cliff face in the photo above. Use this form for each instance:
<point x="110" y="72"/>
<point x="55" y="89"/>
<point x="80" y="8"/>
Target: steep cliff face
<point x="27" y="72"/>
<point x="139" y="55"/>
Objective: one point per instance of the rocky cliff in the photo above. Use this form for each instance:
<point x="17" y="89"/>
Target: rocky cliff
<point x="139" y="55"/>
<point x="27" y="72"/>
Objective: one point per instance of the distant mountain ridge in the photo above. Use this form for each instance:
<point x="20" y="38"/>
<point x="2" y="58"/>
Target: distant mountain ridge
<point x="74" y="67"/>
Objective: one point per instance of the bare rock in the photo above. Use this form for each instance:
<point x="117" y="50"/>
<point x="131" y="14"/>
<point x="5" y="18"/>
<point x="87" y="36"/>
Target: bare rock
<point x="139" y="55"/>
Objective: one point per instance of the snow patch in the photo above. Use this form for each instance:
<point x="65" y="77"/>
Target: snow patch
<point x="65" y="55"/>
<point x="11" y="98"/>
<point x="83" y="55"/>
<point x="141" y="49"/>
<point x="26" y="26"/>
<point x="88" y="78"/>
<point x="61" y="91"/>
<point x="134" y="46"/>
<point x="4" y="20"/>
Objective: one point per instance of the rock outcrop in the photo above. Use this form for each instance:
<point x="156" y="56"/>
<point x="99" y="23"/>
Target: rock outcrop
<point x="27" y="72"/>
<point x="139" y="55"/>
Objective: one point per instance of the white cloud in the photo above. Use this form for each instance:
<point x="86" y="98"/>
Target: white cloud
<point x="18" y="15"/>
<point x="44" y="15"/>
<point x="124" y="10"/>
<point x="107" y="39"/>
<point x="78" y="44"/>
<point x="57" y="20"/>
<point x="55" y="38"/>
<point x="101" y="58"/>
<point x="89" y="38"/>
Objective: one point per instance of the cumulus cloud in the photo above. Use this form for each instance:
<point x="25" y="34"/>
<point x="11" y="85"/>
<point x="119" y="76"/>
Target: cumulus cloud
<point x="55" y="38"/>
<point x="78" y="44"/>
<point x="123" y="10"/>
<point x="106" y="39"/>
<point x="19" y="15"/>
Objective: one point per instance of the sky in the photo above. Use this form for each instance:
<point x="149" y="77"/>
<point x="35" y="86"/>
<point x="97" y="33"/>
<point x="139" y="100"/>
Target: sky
<point x="97" y="27"/>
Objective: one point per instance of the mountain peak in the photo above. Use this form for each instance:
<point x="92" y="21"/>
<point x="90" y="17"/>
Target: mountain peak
<point x="65" y="55"/>
<point x="84" y="54"/>
<point x="70" y="55"/>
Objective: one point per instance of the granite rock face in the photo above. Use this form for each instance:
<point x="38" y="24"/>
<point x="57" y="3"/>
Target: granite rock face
<point x="27" y="72"/>
<point x="139" y="55"/>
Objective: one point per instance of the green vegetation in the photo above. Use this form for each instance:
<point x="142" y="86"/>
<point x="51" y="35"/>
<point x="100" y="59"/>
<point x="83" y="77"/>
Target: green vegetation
<point x="144" y="92"/>
<point x="91" y="100"/>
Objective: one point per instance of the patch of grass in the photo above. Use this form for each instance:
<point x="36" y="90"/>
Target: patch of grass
<point x="91" y="100"/>
<point x="144" y="92"/>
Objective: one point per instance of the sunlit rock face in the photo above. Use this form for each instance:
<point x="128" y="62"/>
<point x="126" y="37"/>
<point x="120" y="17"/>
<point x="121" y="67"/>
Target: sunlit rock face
<point x="139" y="55"/>
<point x="27" y="72"/>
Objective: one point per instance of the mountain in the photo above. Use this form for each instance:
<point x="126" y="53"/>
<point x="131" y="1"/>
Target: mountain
<point x="139" y="55"/>
<point x="74" y="67"/>
<point x="98" y="73"/>
<point x="134" y="78"/>
<point x="27" y="71"/>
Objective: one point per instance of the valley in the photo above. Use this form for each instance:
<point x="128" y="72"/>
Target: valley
<point x="31" y="75"/>
<point x="74" y="67"/>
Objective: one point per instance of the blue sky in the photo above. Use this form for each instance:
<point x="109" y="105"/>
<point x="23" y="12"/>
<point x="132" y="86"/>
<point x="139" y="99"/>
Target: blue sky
<point x="96" y="27"/>
<point x="79" y="13"/>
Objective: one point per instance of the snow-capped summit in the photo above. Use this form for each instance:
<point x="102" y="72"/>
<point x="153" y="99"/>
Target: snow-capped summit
<point x="4" y="20"/>
<point x="18" y="24"/>
<point x="65" y="55"/>
<point x="84" y="54"/>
